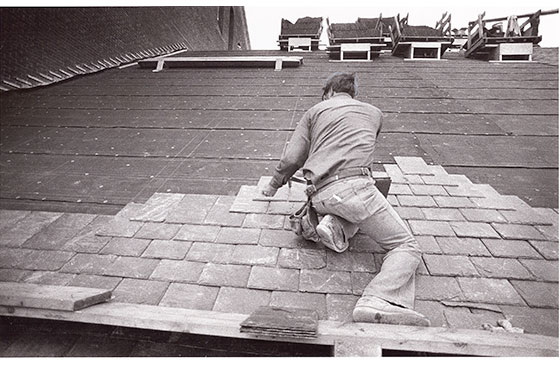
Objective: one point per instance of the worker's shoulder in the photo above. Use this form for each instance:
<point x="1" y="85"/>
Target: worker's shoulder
<point x="371" y="107"/>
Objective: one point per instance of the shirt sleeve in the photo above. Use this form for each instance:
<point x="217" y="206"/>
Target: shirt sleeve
<point x="295" y="153"/>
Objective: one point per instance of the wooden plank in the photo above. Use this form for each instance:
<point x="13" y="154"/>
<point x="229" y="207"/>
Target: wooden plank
<point x="407" y="338"/>
<point x="355" y="348"/>
<point x="66" y="298"/>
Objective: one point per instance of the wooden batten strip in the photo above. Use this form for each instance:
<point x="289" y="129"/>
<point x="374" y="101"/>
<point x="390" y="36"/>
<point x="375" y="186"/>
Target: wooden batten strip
<point x="391" y="337"/>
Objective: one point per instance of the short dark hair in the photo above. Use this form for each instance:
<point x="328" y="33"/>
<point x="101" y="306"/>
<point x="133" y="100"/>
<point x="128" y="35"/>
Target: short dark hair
<point x="341" y="82"/>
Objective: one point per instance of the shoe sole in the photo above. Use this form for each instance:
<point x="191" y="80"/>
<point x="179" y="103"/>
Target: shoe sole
<point x="366" y="314"/>
<point x="327" y="240"/>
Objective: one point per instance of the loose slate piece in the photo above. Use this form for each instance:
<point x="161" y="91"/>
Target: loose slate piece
<point x="282" y="322"/>
<point x="67" y="298"/>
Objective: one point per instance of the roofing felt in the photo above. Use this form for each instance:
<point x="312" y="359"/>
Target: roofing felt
<point x="97" y="142"/>
<point x="420" y="31"/>
<point x="303" y="26"/>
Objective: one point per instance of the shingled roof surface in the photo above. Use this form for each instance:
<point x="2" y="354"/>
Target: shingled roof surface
<point x="353" y="30"/>
<point x="471" y="148"/>
<point x="308" y="26"/>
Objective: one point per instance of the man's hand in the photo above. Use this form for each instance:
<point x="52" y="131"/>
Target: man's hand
<point x="268" y="190"/>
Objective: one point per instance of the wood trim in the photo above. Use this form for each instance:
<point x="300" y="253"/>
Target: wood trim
<point x="406" y="338"/>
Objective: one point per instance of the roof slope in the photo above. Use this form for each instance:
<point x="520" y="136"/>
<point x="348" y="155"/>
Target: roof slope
<point x="95" y="143"/>
<point x="303" y="26"/>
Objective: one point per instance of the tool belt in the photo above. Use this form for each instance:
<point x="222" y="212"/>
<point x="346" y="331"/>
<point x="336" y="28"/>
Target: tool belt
<point x="342" y="174"/>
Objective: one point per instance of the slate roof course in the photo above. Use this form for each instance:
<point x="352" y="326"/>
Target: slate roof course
<point x="471" y="148"/>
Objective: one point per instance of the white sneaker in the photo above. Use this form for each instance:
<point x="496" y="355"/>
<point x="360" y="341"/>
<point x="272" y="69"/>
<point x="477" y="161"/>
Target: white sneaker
<point x="331" y="234"/>
<point x="376" y="310"/>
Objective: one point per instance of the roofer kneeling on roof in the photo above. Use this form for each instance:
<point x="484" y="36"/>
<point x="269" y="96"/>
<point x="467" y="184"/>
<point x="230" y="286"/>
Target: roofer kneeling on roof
<point x="334" y="143"/>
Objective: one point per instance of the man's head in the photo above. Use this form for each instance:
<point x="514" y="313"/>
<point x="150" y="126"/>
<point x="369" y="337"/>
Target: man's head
<point x="340" y="82"/>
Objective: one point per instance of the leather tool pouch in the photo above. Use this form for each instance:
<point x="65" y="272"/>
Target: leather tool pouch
<point x="304" y="222"/>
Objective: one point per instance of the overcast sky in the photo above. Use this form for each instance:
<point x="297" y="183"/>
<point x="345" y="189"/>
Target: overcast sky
<point x="264" y="20"/>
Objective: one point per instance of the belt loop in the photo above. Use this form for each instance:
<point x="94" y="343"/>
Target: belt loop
<point x="310" y="190"/>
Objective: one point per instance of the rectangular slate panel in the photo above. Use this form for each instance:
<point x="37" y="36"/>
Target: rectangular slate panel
<point x="66" y="298"/>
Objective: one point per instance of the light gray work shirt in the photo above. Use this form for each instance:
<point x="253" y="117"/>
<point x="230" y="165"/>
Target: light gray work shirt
<point x="333" y="135"/>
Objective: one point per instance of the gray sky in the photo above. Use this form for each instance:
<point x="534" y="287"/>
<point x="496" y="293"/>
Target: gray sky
<point x="264" y="20"/>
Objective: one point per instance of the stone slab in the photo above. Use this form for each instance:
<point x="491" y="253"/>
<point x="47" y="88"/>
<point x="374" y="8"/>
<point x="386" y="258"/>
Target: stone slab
<point x="301" y="258"/>
<point x="493" y="291"/>
<point x="537" y="294"/>
<point x="140" y="291"/>
<point x="448" y="265"/>
<point x="191" y="232"/>
<point x="240" y="300"/>
<point x="131" y="267"/>
<point x="191" y="209"/>
<point x="157" y="208"/>
<point x="210" y="252"/>
<point x="511" y="248"/>
<point x="177" y="271"/>
<point x="122" y="246"/>
<point x="158" y="231"/>
<point x="500" y="268"/>
<point x="270" y="278"/>
<point x="474" y="229"/>
<point x="462" y="246"/>
<point x="325" y="281"/>
<point x="225" y="275"/>
<point x="165" y="249"/>
<point x="431" y="228"/>
<point x="518" y="231"/>
<point x="190" y="296"/>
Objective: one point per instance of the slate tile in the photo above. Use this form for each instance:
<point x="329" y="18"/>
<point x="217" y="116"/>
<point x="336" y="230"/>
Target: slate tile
<point x="548" y="249"/>
<point x="13" y="275"/>
<point x="236" y="235"/>
<point x="225" y="275"/>
<point x="492" y="267"/>
<point x="527" y="216"/>
<point x="27" y="227"/>
<point x="550" y="233"/>
<point x="9" y="218"/>
<point x="518" y="232"/>
<point x="130" y="210"/>
<point x="340" y="306"/>
<point x="191" y="209"/>
<point x="465" y="191"/>
<point x="311" y="301"/>
<point x="533" y="320"/>
<point x="179" y="271"/>
<point x="190" y="232"/>
<point x="254" y="255"/>
<point x="433" y="310"/>
<point x="45" y="260"/>
<point x="122" y="246"/>
<point x="483" y="215"/>
<point x="86" y="240"/>
<point x="453" y="202"/>
<point x="48" y="278"/>
<point x="474" y="229"/>
<point x="410" y="213"/>
<point x="220" y="215"/>
<point x="412" y="165"/>
<point x="511" y="248"/>
<point x="13" y="258"/>
<point x="428" y="244"/>
<point x="542" y="269"/>
<point x="468" y="320"/>
<point x="54" y="235"/>
<point x="158" y="231"/>
<point x="278" y="238"/>
<point x="140" y="291"/>
<point x="444" y="180"/>
<point x="392" y="199"/>
<point x="537" y="294"/>
<point x="360" y="281"/>
<point x="443" y="214"/>
<point x="431" y="190"/>
<point x="495" y="202"/>
<point x="119" y="227"/>
<point x="271" y="278"/>
<point x="95" y="281"/>
<point x="437" y="288"/>
<point x="210" y="252"/>
<point x="462" y="246"/>
<point x="84" y="263"/>
<point x="400" y="189"/>
<point x="448" y="265"/>
<point x="131" y="267"/>
<point x="283" y="208"/>
<point x="165" y="249"/>
<point x="302" y="258"/>
<point x="485" y="290"/>
<point x="157" y="207"/>
<point x="431" y="228"/>
<point x="325" y="281"/>
<point x="416" y="201"/>
<point x="190" y="296"/>
<point x="350" y="261"/>
<point x="263" y="221"/>
<point x="240" y="300"/>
